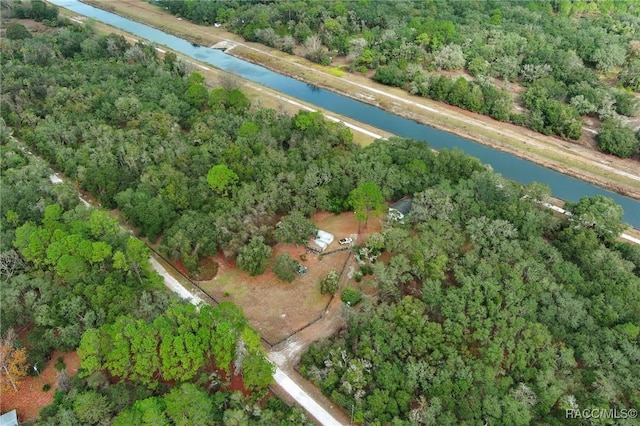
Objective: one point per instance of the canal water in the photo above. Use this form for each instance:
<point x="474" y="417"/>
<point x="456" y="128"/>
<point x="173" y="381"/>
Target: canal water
<point x="510" y="166"/>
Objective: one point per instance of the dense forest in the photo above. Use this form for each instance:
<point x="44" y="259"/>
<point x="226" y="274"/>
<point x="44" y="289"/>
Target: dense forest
<point x="501" y="312"/>
<point x="71" y="278"/>
<point x="542" y="64"/>
<point x="489" y="311"/>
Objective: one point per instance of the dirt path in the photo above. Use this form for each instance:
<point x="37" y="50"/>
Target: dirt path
<point x="577" y="159"/>
<point x="288" y="381"/>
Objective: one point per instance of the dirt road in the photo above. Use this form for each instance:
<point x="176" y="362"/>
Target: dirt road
<point x="578" y="159"/>
<point x="287" y="379"/>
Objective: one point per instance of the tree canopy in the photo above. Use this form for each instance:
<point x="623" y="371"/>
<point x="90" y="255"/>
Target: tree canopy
<point x="582" y="48"/>
<point x="366" y="198"/>
<point x="483" y="306"/>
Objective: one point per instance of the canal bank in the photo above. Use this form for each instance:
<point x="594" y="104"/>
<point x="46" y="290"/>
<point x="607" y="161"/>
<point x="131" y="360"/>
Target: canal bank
<point x="579" y="159"/>
<point x="562" y="186"/>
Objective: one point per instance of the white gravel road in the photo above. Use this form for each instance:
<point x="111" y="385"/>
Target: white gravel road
<point x="320" y="414"/>
<point x="173" y="284"/>
<point x="286" y="383"/>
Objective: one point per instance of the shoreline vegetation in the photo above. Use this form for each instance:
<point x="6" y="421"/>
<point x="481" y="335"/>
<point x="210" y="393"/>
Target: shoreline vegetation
<point x="569" y="158"/>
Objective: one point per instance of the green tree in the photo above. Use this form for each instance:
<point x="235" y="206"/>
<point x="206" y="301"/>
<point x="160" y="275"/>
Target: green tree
<point x="190" y="238"/>
<point x="137" y="258"/>
<point x="617" y="140"/>
<point x="197" y="95"/>
<point x="630" y="75"/>
<point x="285" y="267"/>
<point x="91" y="407"/>
<point x="222" y="345"/>
<point x="391" y="75"/>
<point x="170" y="59"/>
<point x="599" y="213"/>
<point x="257" y="371"/>
<point x="145" y="412"/>
<point x="187" y="406"/>
<point x="295" y="228"/>
<point x="152" y="411"/>
<point x="459" y="93"/>
<point x="218" y="98"/>
<point x="32" y="242"/>
<point x="221" y="179"/>
<point x="237" y="101"/>
<point x="16" y="31"/>
<point x="626" y="103"/>
<point x="506" y="67"/>
<point x="367" y="198"/>
<point x="329" y="284"/>
<point x="254" y="256"/>
<point x="449" y="57"/>
<point x="608" y="57"/>
<point x="351" y="296"/>
<point x="91" y="352"/>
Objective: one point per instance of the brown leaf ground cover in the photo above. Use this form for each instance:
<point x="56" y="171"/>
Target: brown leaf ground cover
<point x="31" y="397"/>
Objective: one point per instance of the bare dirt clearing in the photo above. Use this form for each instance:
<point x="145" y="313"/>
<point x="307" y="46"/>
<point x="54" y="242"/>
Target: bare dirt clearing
<point x="34" y="27"/>
<point x="278" y="309"/>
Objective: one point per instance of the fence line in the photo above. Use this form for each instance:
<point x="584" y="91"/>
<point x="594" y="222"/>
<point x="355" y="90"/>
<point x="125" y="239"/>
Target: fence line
<point x="216" y="302"/>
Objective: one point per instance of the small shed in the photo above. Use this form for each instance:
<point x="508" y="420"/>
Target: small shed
<point x="9" y="418"/>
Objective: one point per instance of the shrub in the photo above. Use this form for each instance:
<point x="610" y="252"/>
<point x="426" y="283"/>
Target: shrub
<point x="48" y="411"/>
<point x="17" y="31"/>
<point x="329" y="284"/>
<point x="617" y="140"/>
<point x="629" y="77"/>
<point x="391" y="75"/>
<point x="46" y="387"/>
<point x="351" y="296"/>
<point x="366" y="269"/>
<point x="60" y="364"/>
<point x="285" y="267"/>
<point x="626" y="103"/>
<point x="254" y="257"/>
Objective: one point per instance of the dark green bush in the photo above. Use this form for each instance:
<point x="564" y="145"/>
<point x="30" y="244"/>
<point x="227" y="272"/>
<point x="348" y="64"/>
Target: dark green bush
<point x="351" y="296"/>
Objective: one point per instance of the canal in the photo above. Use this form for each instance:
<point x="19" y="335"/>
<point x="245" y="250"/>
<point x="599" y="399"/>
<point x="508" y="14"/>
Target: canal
<point x="523" y="171"/>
